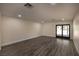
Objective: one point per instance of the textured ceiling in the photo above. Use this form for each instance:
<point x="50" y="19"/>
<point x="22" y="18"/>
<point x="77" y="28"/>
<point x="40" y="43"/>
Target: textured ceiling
<point x="40" y="11"/>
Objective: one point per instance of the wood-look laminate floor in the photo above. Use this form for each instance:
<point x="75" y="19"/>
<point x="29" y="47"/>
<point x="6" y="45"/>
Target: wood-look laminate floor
<point x="41" y="46"/>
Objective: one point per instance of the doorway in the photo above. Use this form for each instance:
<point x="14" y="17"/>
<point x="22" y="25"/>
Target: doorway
<point x="63" y="31"/>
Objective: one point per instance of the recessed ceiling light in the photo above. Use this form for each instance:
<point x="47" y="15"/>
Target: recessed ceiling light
<point x="19" y="15"/>
<point x="53" y="3"/>
<point x="62" y="19"/>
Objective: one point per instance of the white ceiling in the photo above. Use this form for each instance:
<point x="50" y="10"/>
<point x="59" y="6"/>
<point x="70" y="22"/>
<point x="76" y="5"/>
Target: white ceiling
<point x="41" y="11"/>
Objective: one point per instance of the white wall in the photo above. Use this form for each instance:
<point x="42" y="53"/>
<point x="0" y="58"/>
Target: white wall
<point x="0" y="30"/>
<point x="15" y="30"/>
<point x="49" y="29"/>
<point x="76" y="31"/>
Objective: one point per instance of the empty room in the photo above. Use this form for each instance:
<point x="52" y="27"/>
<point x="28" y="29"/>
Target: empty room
<point x="39" y="29"/>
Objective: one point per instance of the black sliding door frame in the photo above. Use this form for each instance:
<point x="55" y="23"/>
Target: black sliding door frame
<point x="62" y="36"/>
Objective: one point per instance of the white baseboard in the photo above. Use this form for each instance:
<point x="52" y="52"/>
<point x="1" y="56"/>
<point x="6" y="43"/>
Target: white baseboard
<point x="48" y="35"/>
<point x="9" y="43"/>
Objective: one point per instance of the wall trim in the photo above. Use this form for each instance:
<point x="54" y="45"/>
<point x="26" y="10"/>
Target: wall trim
<point x="9" y="43"/>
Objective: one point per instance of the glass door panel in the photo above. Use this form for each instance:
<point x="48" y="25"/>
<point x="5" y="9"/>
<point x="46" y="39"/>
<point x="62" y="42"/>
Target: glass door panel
<point x="59" y="30"/>
<point x="66" y="31"/>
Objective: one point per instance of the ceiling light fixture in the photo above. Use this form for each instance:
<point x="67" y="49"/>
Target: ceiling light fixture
<point x="53" y="3"/>
<point x="62" y="19"/>
<point x="19" y="15"/>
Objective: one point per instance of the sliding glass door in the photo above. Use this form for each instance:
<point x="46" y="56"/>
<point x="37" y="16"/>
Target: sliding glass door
<point x="63" y="30"/>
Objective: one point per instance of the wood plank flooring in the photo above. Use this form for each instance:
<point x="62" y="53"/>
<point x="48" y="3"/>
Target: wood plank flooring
<point x="41" y="46"/>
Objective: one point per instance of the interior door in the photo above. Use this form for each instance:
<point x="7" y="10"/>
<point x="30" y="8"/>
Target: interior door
<point x="63" y="31"/>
